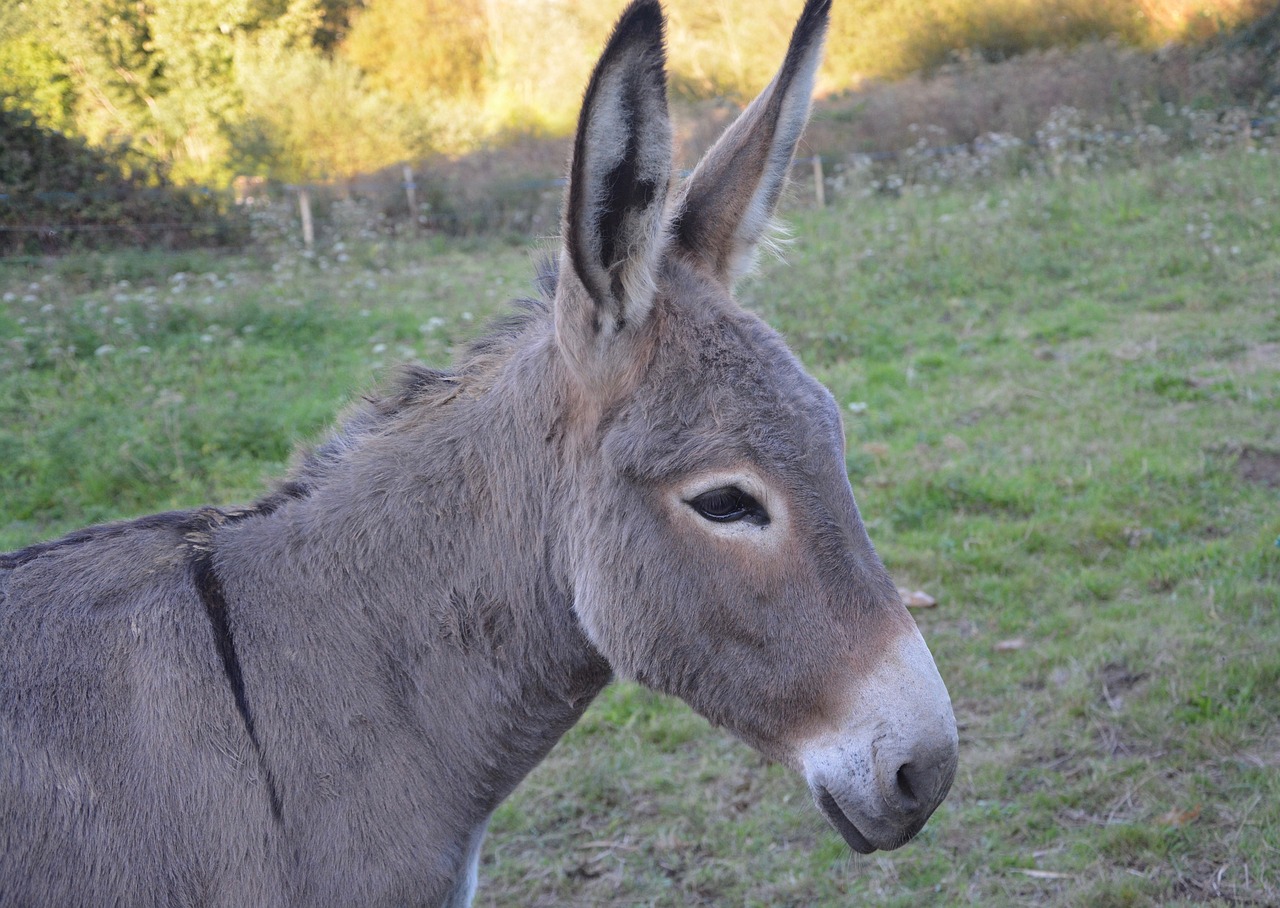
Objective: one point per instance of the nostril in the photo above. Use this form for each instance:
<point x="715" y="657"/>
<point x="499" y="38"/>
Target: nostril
<point x="906" y="788"/>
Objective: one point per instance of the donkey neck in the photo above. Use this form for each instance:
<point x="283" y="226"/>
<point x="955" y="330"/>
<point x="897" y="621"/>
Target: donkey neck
<point x="428" y="564"/>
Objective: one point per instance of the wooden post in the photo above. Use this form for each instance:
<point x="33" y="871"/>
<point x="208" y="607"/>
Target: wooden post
<point x="410" y="191"/>
<point x="819" y="183"/>
<point x="304" y="208"/>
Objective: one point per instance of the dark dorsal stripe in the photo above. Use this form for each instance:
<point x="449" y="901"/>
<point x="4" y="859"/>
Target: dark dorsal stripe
<point x="174" y="520"/>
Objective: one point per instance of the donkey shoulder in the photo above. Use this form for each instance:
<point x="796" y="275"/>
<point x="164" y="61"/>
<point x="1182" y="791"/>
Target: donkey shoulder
<point x="107" y="668"/>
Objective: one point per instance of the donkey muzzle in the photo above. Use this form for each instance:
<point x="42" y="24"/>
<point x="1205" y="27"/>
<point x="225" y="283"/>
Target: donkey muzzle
<point x="880" y="776"/>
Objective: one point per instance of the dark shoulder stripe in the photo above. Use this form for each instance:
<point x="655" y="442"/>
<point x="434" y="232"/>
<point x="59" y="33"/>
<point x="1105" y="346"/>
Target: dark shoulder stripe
<point x="209" y="588"/>
<point x="194" y="530"/>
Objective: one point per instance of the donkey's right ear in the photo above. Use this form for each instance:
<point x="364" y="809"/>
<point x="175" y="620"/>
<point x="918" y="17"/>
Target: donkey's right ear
<point x="615" y="226"/>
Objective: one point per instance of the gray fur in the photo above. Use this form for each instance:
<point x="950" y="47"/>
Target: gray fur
<point x="321" y="698"/>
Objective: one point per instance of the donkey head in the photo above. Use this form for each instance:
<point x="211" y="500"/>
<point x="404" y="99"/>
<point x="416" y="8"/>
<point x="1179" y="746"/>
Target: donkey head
<point x="717" y="551"/>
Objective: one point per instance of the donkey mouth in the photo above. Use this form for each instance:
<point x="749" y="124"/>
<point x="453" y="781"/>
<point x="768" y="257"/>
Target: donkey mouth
<point x="836" y="817"/>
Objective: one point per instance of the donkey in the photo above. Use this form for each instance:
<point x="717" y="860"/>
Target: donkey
<point x="321" y="698"/>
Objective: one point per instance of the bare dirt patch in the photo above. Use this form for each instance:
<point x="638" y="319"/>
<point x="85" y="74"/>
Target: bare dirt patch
<point x="1259" y="358"/>
<point x="1259" y="466"/>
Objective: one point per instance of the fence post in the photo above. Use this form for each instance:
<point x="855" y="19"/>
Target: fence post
<point x="304" y="208"/>
<point x="410" y="191"/>
<point x="819" y="183"/>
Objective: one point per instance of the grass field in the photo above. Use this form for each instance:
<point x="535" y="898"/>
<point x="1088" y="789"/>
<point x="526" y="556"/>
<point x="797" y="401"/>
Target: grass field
<point x="1063" y="408"/>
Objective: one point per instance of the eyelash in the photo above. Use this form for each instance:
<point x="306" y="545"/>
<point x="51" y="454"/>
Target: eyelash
<point x="729" y="504"/>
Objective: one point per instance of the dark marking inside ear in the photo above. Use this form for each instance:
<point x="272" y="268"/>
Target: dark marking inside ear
<point x="625" y="190"/>
<point x="687" y="228"/>
<point x="209" y="588"/>
<point x="603" y="206"/>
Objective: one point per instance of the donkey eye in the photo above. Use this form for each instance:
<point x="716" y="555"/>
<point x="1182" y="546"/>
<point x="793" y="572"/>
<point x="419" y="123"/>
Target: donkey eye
<point x="730" y="504"/>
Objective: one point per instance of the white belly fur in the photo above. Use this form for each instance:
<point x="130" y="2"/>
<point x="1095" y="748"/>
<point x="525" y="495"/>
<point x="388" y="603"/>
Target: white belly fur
<point x="465" y="889"/>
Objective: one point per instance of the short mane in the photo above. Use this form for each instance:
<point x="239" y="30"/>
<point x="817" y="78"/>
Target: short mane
<point x="413" y="385"/>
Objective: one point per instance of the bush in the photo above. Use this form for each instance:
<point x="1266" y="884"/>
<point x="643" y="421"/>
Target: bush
<point x="56" y="194"/>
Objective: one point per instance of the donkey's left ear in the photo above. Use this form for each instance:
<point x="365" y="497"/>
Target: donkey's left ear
<point x="725" y="209"/>
<point x="614" y="222"/>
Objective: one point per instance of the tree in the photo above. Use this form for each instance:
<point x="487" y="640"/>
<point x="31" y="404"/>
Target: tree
<point x="158" y="75"/>
<point x="35" y="79"/>
<point x="309" y="118"/>
<point x="419" y="50"/>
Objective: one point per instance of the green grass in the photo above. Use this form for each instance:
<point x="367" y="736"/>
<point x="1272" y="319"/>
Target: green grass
<point x="1054" y="382"/>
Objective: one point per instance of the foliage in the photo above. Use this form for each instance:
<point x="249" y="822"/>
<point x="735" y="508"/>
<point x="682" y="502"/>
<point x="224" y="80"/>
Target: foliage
<point x="57" y="193"/>
<point x="311" y="118"/>
<point x="452" y="62"/>
<point x="334" y="22"/>
<point x="721" y="50"/>
<point x="205" y="88"/>
<point x="211" y="88"/>
<point x="516" y="65"/>
<point x="875" y="39"/>
<point x="37" y="80"/>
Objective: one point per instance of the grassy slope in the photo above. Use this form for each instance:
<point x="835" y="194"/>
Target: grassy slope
<point x="1058" y="378"/>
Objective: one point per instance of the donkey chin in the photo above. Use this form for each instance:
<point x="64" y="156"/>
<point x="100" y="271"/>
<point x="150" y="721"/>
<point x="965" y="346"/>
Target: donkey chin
<point x="879" y="777"/>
